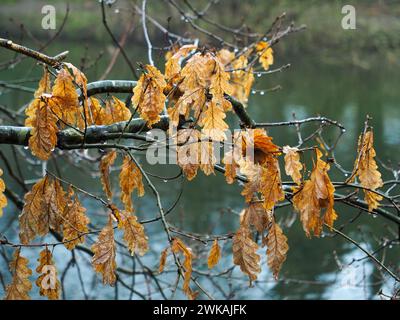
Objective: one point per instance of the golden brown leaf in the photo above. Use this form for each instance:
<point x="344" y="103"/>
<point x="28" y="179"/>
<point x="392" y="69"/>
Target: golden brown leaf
<point x="367" y="170"/>
<point x="265" y="52"/>
<point x="43" y="137"/>
<point x="188" y="152"/>
<point x="3" y="199"/>
<point x="213" y="122"/>
<point x="245" y="253"/>
<point x="75" y="222"/>
<point x="44" y="87"/>
<point x="48" y="282"/>
<point x="179" y="246"/>
<point x="270" y="183"/>
<point x="130" y="178"/>
<point x="255" y="215"/>
<point x="103" y="260"/>
<point x="316" y="194"/>
<point x="148" y="95"/>
<point x="105" y="163"/>
<point x="134" y="235"/>
<point x="32" y="221"/>
<point x="277" y="245"/>
<point x="214" y="255"/>
<point x="172" y="66"/>
<point x="293" y="166"/>
<point x="64" y="94"/>
<point x="20" y="284"/>
<point x="55" y="203"/>
<point x="242" y="79"/>
<point x="163" y="260"/>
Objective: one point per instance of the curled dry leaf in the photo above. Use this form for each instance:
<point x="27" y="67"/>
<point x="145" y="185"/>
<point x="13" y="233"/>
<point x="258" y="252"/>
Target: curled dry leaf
<point x="103" y="260"/>
<point x="20" y="285"/>
<point x="316" y="194"/>
<point x="48" y="282"/>
<point x="163" y="260"/>
<point x="214" y="255"/>
<point x="75" y="222"/>
<point x="293" y="166"/>
<point x="245" y="253"/>
<point x="130" y="178"/>
<point x="3" y="199"/>
<point x="277" y="246"/>
<point x="367" y="170"/>
<point x="105" y="163"/>
<point x="179" y="246"/>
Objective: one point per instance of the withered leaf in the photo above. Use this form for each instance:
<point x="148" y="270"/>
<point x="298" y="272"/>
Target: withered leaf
<point x="277" y="248"/>
<point x="104" y="250"/>
<point x="245" y="253"/>
<point x="179" y="246"/>
<point x="130" y="178"/>
<point x="75" y="222"/>
<point x="48" y="282"/>
<point x="20" y="285"/>
<point x="214" y="255"/>
<point x="105" y="163"/>
<point x="293" y="166"/>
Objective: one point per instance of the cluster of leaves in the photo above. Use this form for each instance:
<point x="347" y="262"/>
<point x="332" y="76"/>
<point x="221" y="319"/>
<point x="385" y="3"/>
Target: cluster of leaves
<point x="195" y="84"/>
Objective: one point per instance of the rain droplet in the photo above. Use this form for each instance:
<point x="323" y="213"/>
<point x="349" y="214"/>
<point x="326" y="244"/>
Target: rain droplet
<point x="26" y="147"/>
<point x="262" y="93"/>
<point x="236" y="50"/>
<point x="253" y="91"/>
<point x="259" y="74"/>
<point x="265" y="39"/>
<point x="390" y="246"/>
<point x="374" y="216"/>
<point x="346" y="174"/>
<point x="165" y="180"/>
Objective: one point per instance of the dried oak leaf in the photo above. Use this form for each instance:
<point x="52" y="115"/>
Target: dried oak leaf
<point x="179" y="246"/>
<point x="75" y="222"/>
<point x="130" y="178"/>
<point x="316" y="194"/>
<point x="163" y="260"/>
<point x="266" y="54"/>
<point x="245" y="253"/>
<point x="44" y="87"/>
<point x="293" y="166"/>
<point x="134" y="235"/>
<point x="104" y="250"/>
<point x="367" y="170"/>
<point x="20" y="285"/>
<point x="214" y="255"/>
<point x="105" y="163"/>
<point x="44" y="131"/>
<point x="48" y="282"/>
<point x="277" y="246"/>
<point x="148" y="95"/>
